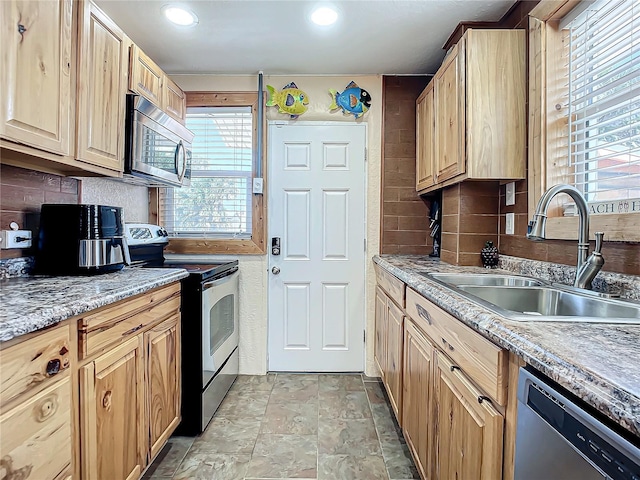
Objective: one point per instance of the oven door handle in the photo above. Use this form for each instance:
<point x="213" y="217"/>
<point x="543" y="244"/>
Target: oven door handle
<point x="215" y="283"/>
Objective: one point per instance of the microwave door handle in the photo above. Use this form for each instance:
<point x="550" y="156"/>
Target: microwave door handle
<point x="182" y="171"/>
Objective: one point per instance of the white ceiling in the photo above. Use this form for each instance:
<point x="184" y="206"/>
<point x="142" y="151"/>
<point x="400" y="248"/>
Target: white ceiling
<point x="245" y="36"/>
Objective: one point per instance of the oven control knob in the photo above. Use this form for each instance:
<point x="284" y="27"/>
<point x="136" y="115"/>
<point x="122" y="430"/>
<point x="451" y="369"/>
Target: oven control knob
<point x="275" y="270"/>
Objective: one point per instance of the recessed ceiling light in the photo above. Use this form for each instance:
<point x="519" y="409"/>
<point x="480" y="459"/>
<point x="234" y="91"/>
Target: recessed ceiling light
<point x="180" y="16"/>
<point x="324" y="16"/>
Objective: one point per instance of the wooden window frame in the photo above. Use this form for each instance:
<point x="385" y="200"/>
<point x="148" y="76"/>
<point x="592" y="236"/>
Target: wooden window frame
<point x="548" y="125"/>
<point x="256" y="245"/>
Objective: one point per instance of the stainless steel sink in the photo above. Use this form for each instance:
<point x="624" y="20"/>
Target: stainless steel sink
<point x="530" y="299"/>
<point x="485" y="279"/>
<point x="554" y="304"/>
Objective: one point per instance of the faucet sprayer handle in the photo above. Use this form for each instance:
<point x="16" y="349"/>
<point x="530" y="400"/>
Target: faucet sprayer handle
<point x="599" y="238"/>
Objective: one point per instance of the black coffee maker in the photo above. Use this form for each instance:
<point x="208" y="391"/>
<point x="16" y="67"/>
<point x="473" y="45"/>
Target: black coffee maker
<point x="81" y="240"/>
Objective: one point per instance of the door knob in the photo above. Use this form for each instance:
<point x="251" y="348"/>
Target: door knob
<point x="275" y="270"/>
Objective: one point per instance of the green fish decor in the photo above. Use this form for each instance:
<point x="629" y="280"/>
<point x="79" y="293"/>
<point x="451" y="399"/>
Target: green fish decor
<point x="290" y="100"/>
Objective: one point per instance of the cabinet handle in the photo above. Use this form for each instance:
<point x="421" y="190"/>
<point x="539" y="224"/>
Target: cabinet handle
<point x="423" y="313"/>
<point x="53" y="367"/>
<point x="482" y="398"/>
<point x="134" y="329"/>
<point x="454" y="367"/>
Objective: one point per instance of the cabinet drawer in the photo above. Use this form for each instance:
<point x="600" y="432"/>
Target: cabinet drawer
<point x="390" y="284"/>
<point x="36" y="435"/>
<point x="484" y="362"/>
<point x="34" y="362"/>
<point x="129" y="318"/>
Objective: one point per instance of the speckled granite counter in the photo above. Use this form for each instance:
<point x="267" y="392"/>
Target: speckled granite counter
<point x="599" y="363"/>
<point x="31" y="303"/>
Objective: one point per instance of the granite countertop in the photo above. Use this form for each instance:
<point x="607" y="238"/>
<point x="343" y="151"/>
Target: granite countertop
<point x="32" y="303"/>
<point x="599" y="363"/>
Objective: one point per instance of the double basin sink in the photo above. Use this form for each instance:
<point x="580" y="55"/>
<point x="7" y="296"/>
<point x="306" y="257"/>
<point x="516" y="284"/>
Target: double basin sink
<point x="530" y="299"/>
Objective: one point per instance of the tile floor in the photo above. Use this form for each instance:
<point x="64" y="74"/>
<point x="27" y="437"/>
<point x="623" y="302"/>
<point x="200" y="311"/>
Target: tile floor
<point x="284" y="426"/>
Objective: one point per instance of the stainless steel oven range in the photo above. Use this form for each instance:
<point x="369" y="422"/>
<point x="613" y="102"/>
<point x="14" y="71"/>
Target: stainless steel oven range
<point x="209" y="325"/>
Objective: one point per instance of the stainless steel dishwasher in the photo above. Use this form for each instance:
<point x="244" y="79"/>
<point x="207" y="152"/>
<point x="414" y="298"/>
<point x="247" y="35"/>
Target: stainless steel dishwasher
<point x="556" y="439"/>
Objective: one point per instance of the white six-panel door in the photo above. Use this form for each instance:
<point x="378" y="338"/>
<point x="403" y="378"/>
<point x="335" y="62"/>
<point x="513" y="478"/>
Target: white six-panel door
<point x="317" y="209"/>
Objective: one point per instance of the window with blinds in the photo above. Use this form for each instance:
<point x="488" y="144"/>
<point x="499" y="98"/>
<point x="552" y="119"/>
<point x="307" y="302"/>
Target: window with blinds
<point x="218" y="202"/>
<point x="604" y="99"/>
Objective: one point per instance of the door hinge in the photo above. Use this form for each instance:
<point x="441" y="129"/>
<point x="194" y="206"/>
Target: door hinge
<point x="366" y="153"/>
<point x="365" y="245"/>
<point x="364" y="336"/>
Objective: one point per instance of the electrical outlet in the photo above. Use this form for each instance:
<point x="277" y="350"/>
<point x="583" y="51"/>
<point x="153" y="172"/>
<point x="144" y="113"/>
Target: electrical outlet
<point x="15" y="239"/>
<point x="257" y="185"/>
<point x="509" y="227"/>
<point x="511" y="194"/>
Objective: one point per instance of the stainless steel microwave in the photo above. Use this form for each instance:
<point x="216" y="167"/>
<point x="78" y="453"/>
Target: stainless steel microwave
<point x="157" y="147"/>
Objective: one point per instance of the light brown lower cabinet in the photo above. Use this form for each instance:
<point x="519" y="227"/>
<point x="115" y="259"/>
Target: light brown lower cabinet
<point x="106" y="417"/>
<point x="469" y="429"/>
<point x="395" y="337"/>
<point x="35" y="436"/>
<point x="380" y="352"/>
<point x="163" y="347"/>
<point x="112" y="428"/>
<point x="130" y="394"/>
<point x="388" y="348"/>
<point x="416" y="398"/>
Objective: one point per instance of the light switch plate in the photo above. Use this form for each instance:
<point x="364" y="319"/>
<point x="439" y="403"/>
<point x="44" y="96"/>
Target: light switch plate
<point x="511" y="194"/>
<point x="257" y="185"/>
<point x="509" y="227"/>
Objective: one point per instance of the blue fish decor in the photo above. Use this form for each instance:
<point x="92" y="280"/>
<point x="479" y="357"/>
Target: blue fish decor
<point x="353" y="100"/>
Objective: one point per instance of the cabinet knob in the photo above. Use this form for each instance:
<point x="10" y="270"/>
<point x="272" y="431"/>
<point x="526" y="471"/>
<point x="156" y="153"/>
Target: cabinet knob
<point x="106" y="400"/>
<point x="21" y="29"/>
<point x="53" y="367"/>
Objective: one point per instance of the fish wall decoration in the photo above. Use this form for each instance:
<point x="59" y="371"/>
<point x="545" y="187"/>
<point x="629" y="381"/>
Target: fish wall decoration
<point x="354" y="100"/>
<point x="289" y="100"/>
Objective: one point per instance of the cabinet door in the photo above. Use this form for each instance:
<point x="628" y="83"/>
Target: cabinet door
<point x="174" y="101"/>
<point x="393" y="376"/>
<point x="112" y="432"/>
<point x="35" y="73"/>
<point x="417" y="413"/>
<point x="36" y="436"/>
<point x="102" y="76"/>
<point x="145" y="76"/>
<point x="469" y="429"/>
<point x="163" y="374"/>
<point x="380" y="347"/>
<point x="425" y="147"/>
<point x="449" y="110"/>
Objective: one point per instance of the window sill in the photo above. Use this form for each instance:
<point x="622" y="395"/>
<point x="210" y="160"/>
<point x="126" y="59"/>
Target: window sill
<point x="616" y="228"/>
<point x="207" y="246"/>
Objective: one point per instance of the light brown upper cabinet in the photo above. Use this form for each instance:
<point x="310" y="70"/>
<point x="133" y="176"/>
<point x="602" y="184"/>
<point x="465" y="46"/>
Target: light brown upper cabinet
<point x="145" y="76"/>
<point x="35" y="74"/>
<point x="449" y="116"/>
<point x="147" y="79"/>
<point x="425" y="146"/>
<point x="478" y="113"/>
<point x="102" y="87"/>
<point x="174" y="101"/>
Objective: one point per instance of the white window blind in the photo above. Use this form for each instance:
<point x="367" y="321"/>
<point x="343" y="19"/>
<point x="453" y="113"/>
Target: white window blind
<point x="218" y="201"/>
<point x="604" y="99"/>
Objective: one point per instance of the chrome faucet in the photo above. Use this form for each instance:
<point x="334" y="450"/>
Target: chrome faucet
<point x="586" y="268"/>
